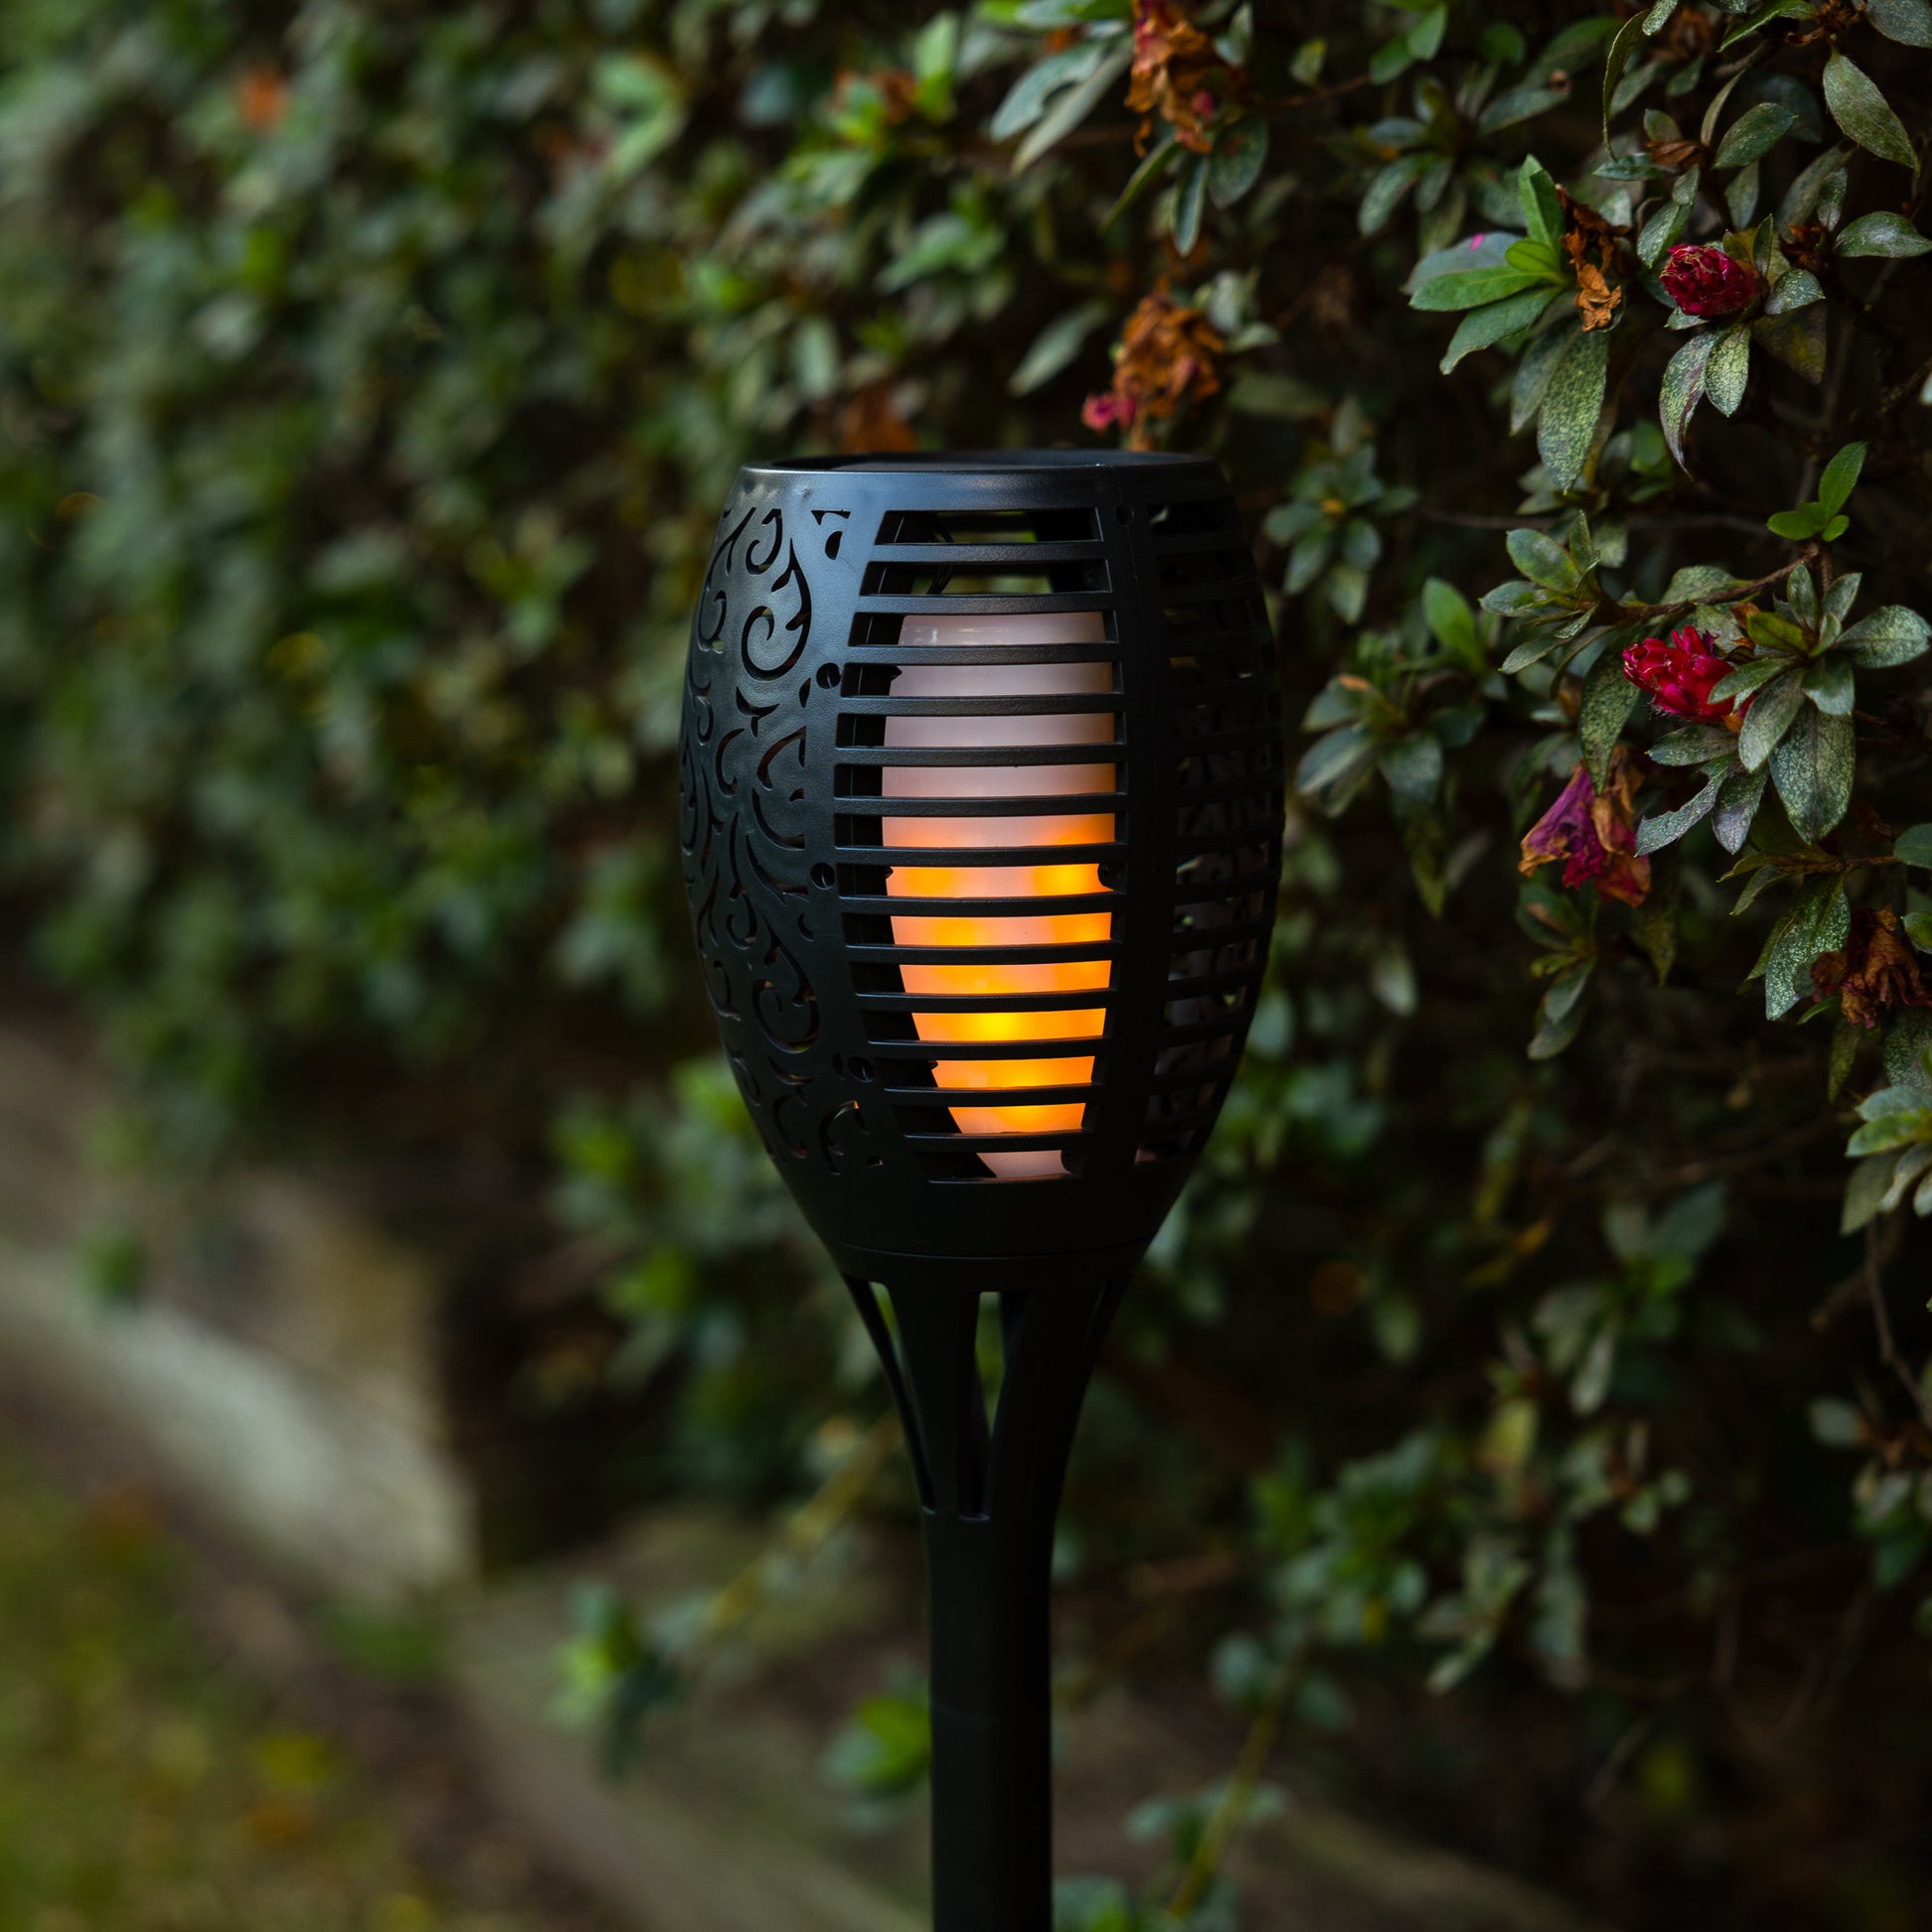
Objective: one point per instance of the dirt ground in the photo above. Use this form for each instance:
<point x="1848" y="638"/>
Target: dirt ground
<point x="181" y="1752"/>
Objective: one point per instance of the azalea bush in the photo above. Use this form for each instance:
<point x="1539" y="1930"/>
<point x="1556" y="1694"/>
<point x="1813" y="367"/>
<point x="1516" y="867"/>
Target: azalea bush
<point x="1522" y="1428"/>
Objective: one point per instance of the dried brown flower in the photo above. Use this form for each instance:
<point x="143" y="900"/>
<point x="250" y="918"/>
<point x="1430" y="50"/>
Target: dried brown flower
<point x="1877" y="971"/>
<point x="261" y="95"/>
<point x="1167" y="357"/>
<point x="1175" y="74"/>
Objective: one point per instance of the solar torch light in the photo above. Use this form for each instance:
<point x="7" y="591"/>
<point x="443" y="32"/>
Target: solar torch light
<point x="981" y="808"/>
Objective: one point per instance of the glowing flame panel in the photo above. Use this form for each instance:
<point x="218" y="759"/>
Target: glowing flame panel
<point x="937" y="884"/>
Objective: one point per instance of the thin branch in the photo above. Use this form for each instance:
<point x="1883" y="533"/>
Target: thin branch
<point x="1875" y="1290"/>
<point x="1232" y="1806"/>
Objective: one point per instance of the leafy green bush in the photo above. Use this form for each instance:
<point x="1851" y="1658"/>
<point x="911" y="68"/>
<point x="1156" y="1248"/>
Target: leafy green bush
<point x="369" y="383"/>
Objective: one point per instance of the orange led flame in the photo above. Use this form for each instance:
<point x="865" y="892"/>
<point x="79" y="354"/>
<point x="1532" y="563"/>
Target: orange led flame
<point x="1046" y="878"/>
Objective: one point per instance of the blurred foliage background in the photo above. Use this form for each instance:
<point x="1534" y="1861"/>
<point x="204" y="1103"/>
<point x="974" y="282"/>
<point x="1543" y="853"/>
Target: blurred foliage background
<point x="1507" y="1423"/>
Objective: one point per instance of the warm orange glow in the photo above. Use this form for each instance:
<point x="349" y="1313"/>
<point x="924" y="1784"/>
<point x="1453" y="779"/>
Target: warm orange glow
<point x="1046" y="879"/>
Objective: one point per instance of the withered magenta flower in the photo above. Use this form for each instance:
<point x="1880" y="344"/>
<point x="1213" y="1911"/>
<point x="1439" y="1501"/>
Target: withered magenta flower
<point x="1704" y="281"/>
<point x="1680" y="675"/>
<point x="1593" y="836"/>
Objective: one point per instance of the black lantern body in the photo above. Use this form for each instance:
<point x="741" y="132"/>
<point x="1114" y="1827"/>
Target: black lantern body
<point x="981" y="780"/>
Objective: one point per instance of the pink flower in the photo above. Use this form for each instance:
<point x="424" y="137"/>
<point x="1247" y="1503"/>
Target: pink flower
<point x="1679" y="675"/>
<point x="1592" y="836"/>
<point x="1704" y="281"/>
<point x="1109" y="410"/>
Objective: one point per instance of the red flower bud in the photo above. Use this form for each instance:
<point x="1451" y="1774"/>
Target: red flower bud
<point x="1704" y="281"/>
<point x="1679" y="675"/>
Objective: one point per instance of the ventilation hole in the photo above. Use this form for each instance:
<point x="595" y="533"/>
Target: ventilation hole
<point x="828" y="675"/>
<point x="825" y="876"/>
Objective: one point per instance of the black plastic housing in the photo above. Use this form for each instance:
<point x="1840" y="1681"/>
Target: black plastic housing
<point x="794" y="652"/>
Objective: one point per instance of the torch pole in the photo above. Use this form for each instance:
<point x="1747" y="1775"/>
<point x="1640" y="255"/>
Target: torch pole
<point x="990" y="1492"/>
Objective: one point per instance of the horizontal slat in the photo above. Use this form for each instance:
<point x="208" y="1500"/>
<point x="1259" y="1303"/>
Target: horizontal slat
<point x="1225" y="1025"/>
<point x="907" y="905"/>
<point x="1013" y="704"/>
<point x="1191" y="643"/>
<point x="1077" y="1001"/>
<point x="1069" y="1136"/>
<point x="908" y="1052"/>
<point x="1191" y="543"/>
<point x="950" y="1097"/>
<point x="994" y="755"/>
<point x="1197" y="985"/>
<point x="1214" y="1076"/>
<point x="1205" y="891"/>
<point x="1264" y="788"/>
<point x="1099" y="952"/>
<point x="1208" y="939"/>
<point x="955" y="856"/>
<point x="901" y="653"/>
<point x="1064" y="805"/>
<point x="1192" y="744"/>
<point x="1057" y="551"/>
<point x="1038" y="603"/>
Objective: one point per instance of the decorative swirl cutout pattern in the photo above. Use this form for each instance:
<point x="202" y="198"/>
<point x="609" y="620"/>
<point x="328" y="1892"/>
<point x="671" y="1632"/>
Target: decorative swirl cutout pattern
<point x="743" y="832"/>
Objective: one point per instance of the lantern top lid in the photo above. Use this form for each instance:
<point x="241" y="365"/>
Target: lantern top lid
<point x="979" y="462"/>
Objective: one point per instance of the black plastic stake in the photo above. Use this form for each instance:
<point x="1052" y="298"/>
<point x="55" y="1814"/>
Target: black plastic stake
<point x="991" y="1496"/>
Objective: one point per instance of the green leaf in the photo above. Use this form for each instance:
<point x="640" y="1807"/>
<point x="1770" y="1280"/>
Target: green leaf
<point x="1482" y="328"/>
<point x="1811" y="767"/>
<point x="1451" y="621"/>
<point x="1866" y="1191"/>
<point x="1801" y="198"/>
<point x="1908" y="22"/>
<point x="1189" y="203"/>
<point x="1829" y="684"/>
<point x="1143" y="181"/>
<point x="1798" y="341"/>
<point x="1737" y="802"/>
<point x="1865" y="113"/>
<point x="1818" y="922"/>
<point x="1768" y="719"/>
<point x="1746" y="678"/>
<point x="1533" y="374"/>
<point x="1797" y="525"/>
<point x="1542" y="559"/>
<point x="1471" y="288"/>
<point x="1541" y="211"/>
<point x="1668" y="827"/>
<point x="1753" y="134"/>
<point x="1336" y="759"/>
<point x="1607" y="702"/>
<point x="1892" y="1129"/>
<point x="1413" y="766"/>
<point x="1683" y="389"/>
<point x="1840" y="477"/>
<point x="1913" y="847"/>
<point x="1730" y="370"/>
<point x="1625" y="44"/>
<point x="1561" y="1015"/>
<point x="1792" y="292"/>
<point x="1073" y="105"/>
<point x="1240" y="153"/>
<point x="1027" y="99"/>
<point x="1694" y="745"/>
<point x="1660" y="232"/>
<point x="1888" y="636"/>
<point x="1532" y="650"/>
<point x="1884" y="233"/>
<point x="1056" y="346"/>
<point x="1572" y="405"/>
